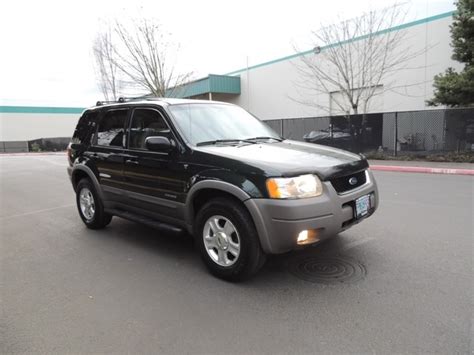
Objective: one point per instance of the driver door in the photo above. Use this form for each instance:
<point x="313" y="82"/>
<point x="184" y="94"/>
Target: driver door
<point x="152" y="179"/>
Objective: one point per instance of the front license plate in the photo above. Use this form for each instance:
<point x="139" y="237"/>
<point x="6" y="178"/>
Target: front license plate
<point x="362" y="206"/>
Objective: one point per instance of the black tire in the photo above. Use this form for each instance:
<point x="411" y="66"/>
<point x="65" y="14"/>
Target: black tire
<point x="251" y="257"/>
<point x="99" y="219"/>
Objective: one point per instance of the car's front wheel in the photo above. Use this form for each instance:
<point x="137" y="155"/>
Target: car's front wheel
<point x="228" y="240"/>
<point x="90" y="207"/>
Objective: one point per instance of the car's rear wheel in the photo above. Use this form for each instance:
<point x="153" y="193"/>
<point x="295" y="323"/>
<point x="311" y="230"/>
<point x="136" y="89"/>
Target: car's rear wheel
<point x="228" y="240"/>
<point x="90" y="206"/>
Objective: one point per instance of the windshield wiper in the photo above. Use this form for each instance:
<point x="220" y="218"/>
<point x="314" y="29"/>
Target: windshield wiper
<point x="217" y="141"/>
<point x="263" y="138"/>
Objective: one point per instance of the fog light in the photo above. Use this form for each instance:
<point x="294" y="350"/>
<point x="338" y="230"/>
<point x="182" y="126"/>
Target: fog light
<point x="302" y="237"/>
<point x="308" y="237"/>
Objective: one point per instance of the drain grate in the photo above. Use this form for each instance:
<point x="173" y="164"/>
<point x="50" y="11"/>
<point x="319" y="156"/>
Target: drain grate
<point x="327" y="269"/>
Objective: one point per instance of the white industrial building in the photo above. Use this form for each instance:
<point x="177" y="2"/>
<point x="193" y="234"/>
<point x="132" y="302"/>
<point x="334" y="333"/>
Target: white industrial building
<point x="268" y="90"/>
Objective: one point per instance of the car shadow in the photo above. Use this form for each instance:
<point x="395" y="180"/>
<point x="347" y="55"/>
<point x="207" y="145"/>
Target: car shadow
<point x="171" y="248"/>
<point x="172" y="245"/>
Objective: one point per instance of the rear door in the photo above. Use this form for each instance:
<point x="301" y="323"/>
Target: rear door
<point x="154" y="180"/>
<point x="107" y="151"/>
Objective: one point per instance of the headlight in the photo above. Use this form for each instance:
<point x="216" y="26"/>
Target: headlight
<point x="295" y="187"/>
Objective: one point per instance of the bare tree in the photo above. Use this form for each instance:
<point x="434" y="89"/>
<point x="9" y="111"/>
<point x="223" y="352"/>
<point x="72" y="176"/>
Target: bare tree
<point x="106" y="64"/>
<point x="355" y="60"/>
<point x="148" y="58"/>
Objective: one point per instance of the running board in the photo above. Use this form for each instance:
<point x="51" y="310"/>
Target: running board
<point x="165" y="227"/>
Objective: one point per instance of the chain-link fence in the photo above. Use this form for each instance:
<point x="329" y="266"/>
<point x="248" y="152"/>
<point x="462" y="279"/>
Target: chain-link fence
<point x="394" y="133"/>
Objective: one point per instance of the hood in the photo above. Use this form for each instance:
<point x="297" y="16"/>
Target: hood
<point x="292" y="158"/>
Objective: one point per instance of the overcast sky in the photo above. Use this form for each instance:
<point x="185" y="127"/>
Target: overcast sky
<point x="46" y="45"/>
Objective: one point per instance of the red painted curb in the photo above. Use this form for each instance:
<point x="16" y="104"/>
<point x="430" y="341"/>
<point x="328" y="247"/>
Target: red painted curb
<point x="420" y="169"/>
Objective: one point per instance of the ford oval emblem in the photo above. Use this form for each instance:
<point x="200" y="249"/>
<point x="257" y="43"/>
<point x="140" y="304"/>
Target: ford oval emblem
<point x="353" y="180"/>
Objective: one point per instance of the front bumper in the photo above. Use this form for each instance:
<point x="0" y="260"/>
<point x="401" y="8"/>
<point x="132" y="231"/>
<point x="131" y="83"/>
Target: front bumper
<point x="279" y="222"/>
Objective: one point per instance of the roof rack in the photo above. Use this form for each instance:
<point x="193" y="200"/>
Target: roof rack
<point x="126" y="99"/>
<point x="100" y="103"/>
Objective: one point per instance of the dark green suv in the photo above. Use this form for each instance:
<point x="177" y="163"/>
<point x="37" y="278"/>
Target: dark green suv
<point x="217" y="172"/>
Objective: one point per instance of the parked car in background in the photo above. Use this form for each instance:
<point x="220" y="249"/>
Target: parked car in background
<point x="330" y="137"/>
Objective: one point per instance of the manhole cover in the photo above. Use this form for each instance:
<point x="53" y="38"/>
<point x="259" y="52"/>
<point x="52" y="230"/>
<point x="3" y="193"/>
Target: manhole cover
<point x="327" y="269"/>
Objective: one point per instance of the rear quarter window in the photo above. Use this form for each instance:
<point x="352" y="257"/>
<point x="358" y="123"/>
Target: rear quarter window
<point x="85" y="127"/>
<point x="111" y="130"/>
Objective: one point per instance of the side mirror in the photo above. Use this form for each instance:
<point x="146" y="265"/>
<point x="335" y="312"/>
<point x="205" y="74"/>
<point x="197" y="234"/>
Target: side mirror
<point x="159" y="144"/>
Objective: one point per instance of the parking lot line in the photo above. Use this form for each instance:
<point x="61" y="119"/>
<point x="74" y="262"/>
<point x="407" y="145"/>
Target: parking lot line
<point x="36" y="212"/>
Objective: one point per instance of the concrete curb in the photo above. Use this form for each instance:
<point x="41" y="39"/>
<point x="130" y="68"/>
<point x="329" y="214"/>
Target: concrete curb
<point x="419" y="169"/>
<point x="31" y="154"/>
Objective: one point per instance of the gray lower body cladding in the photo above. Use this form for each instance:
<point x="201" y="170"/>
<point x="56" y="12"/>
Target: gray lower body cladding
<point x="279" y="222"/>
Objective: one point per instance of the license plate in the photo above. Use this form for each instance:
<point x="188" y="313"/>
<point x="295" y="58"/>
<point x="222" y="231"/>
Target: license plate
<point x="362" y="206"/>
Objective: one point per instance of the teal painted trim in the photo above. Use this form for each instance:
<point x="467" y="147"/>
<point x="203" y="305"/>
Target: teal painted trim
<point x="220" y="84"/>
<point x="396" y="28"/>
<point x="41" y="109"/>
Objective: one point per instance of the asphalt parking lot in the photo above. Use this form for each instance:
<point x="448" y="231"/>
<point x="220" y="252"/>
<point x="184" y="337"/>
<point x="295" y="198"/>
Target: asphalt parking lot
<point x="401" y="282"/>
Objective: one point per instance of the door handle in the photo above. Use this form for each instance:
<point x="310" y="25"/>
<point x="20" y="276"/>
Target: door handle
<point x="130" y="161"/>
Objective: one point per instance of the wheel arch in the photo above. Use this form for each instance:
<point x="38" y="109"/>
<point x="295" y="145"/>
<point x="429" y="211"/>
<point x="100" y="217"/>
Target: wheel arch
<point x="205" y="190"/>
<point x="80" y="172"/>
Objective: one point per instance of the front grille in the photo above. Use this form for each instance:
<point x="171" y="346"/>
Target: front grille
<point x="343" y="184"/>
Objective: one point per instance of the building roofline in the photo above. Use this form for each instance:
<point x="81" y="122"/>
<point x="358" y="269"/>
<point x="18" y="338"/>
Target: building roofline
<point x="41" y="109"/>
<point x="204" y="78"/>
<point x="80" y="110"/>
<point x="213" y="83"/>
<point x="387" y="30"/>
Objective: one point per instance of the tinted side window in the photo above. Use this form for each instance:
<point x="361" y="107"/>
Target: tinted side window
<point x="111" y="128"/>
<point x="84" y="130"/>
<point x="146" y="123"/>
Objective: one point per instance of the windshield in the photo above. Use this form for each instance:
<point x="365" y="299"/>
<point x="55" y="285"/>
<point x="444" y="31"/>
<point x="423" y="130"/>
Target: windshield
<point x="207" y="123"/>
